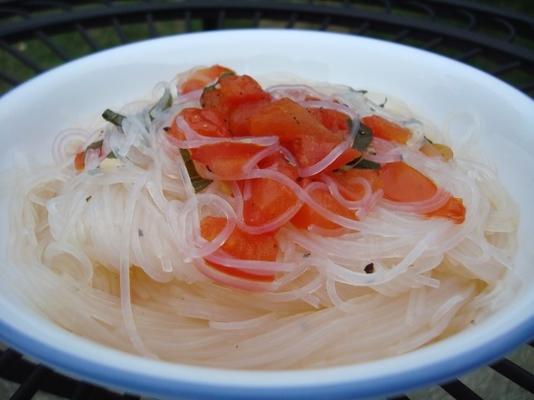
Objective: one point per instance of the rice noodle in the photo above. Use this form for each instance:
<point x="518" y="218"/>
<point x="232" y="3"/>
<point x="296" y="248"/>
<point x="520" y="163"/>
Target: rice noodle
<point x="115" y="253"/>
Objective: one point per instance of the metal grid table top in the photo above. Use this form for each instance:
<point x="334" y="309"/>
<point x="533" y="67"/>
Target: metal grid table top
<point x="38" y="35"/>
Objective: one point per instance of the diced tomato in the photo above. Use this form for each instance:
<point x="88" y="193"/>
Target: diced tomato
<point x="288" y="120"/>
<point x="225" y="159"/>
<point x="79" y="161"/>
<point x="349" y="186"/>
<point x="239" y="119"/>
<point x="204" y="122"/>
<point x="307" y="216"/>
<point x="232" y="91"/>
<point x="201" y="77"/>
<point x="453" y="209"/>
<point x="241" y="245"/>
<point x="311" y="149"/>
<point x="403" y="183"/>
<point x="269" y="199"/>
<point x="387" y="130"/>
<point x="333" y="120"/>
<point x="297" y="129"/>
<point x="336" y="122"/>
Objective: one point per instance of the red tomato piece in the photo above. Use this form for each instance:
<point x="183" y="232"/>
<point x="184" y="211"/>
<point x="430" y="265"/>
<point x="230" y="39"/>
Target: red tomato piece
<point x="307" y="216"/>
<point x="230" y="92"/>
<point x="79" y="161"/>
<point x="269" y="199"/>
<point x="239" y="118"/>
<point x="201" y="77"/>
<point x="387" y="130"/>
<point x="225" y="159"/>
<point x="204" y="122"/>
<point x="403" y="183"/>
<point x="333" y="120"/>
<point x="288" y="120"/>
<point x="297" y="129"/>
<point x="453" y="209"/>
<point x="310" y="150"/>
<point x="241" y="245"/>
<point x="338" y="123"/>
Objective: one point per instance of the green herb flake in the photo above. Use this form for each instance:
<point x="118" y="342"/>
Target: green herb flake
<point x="197" y="181"/>
<point x="362" y="138"/>
<point x="113" y="117"/>
<point x="360" y="163"/>
<point x="96" y="145"/>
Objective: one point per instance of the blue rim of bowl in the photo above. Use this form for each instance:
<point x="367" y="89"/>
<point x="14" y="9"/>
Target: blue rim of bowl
<point x="394" y="383"/>
<point x="387" y="384"/>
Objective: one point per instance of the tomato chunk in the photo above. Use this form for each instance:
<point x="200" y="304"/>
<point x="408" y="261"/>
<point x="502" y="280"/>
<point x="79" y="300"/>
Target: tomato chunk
<point x="225" y="159"/>
<point x="239" y="118"/>
<point x="453" y="209"/>
<point x="230" y="92"/>
<point x="79" y="161"/>
<point x="332" y="120"/>
<point x="403" y="183"/>
<point x="269" y="199"/>
<point x="288" y="120"/>
<point x="204" y="122"/>
<point x="203" y="76"/>
<point x="306" y="216"/>
<point x="387" y="130"/>
<point x="241" y="245"/>
<point x="298" y="130"/>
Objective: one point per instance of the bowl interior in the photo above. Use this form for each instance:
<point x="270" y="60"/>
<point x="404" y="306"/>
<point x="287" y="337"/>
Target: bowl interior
<point x="453" y="96"/>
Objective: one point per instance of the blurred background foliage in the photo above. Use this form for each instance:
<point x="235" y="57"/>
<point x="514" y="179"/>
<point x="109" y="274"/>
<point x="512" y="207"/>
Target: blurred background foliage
<point x="72" y="45"/>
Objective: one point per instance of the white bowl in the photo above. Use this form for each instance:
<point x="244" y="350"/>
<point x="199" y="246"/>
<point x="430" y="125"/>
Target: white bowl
<point x="433" y="86"/>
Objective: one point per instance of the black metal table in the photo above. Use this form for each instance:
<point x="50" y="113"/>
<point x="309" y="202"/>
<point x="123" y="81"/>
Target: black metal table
<point x="38" y="35"/>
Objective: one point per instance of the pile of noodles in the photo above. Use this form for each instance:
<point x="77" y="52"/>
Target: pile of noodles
<point x="114" y="253"/>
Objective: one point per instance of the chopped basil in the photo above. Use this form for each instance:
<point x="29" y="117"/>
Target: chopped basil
<point x="113" y="117"/>
<point x="360" y="163"/>
<point x="197" y="181"/>
<point x="96" y="145"/>
<point x="162" y="104"/>
<point x="360" y="91"/>
<point x="362" y="138"/>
